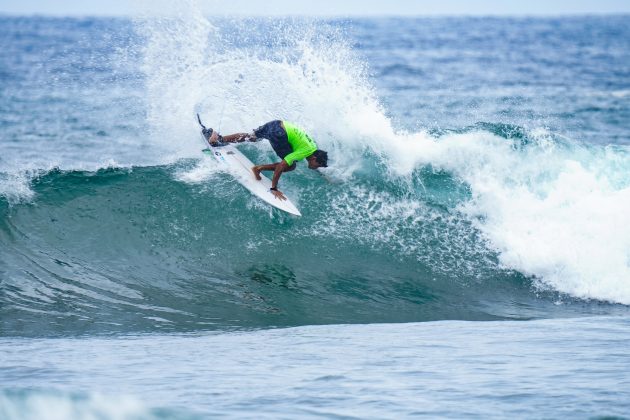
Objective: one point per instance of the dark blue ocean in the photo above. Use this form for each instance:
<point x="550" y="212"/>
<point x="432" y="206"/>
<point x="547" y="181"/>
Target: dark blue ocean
<point x="466" y="254"/>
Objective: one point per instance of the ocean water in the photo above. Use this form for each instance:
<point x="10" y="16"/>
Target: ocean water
<point x="466" y="254"/>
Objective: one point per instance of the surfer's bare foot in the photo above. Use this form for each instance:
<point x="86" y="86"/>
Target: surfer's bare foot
<point x="256" y="171"/>
<point x="214" y="138"/>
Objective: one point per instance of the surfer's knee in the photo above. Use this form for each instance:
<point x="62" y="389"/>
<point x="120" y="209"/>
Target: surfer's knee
<point x="290" y="168"/>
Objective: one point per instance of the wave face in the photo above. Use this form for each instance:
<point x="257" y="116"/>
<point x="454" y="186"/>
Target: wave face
<point x="122" y="249"/>
<point x="477" y="198"/>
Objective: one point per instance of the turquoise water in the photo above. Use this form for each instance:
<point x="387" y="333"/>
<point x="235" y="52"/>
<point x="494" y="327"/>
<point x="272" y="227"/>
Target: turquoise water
<point x="466" y="254"/>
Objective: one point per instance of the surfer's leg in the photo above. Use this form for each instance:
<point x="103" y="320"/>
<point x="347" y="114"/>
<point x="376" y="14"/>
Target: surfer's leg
<point x="239" y="137"/>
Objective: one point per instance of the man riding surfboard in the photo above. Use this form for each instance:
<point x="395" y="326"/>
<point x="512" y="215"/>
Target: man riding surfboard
<point x="288" y="141"/>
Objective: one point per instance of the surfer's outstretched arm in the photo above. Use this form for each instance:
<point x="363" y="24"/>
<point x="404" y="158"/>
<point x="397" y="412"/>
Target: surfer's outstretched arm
<point x="278" y="169"/>
<point x="239" y="137"/>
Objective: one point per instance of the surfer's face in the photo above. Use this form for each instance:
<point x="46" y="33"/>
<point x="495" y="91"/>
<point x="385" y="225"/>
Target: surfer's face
<point x="312" y="162"/>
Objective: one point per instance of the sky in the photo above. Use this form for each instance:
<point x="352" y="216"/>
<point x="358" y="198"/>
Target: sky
<point x="322" y="7"/>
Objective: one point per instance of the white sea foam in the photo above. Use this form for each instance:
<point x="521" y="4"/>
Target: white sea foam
<point x="202" y="172"/>
<point x="310" y="77"/>
<point x="14" y="187"/>
<point x="552" y="215"/>
<point x="555" y="212"/>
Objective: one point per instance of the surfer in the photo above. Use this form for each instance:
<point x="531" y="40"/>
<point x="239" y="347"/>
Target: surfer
<point x="289" y="142"/>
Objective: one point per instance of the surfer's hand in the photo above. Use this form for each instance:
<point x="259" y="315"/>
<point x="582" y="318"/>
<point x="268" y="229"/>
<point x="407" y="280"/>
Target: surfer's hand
<point x="278" y="194"/>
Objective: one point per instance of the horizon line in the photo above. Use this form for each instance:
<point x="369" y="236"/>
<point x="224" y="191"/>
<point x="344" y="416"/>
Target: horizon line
<point x="324" y="15"/>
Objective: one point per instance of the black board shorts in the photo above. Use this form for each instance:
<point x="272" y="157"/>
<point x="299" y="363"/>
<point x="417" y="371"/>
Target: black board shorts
<point x="277" y="136"/>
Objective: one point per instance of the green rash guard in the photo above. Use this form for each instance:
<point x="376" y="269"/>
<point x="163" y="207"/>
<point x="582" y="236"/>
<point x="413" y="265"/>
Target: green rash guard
<point x="302" y="145"/>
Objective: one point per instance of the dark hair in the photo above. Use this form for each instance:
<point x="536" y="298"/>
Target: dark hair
<point x="321" y="157"/>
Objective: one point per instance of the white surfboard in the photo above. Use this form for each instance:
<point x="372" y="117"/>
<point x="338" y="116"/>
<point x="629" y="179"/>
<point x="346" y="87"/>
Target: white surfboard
<point x="241" y="168"/>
